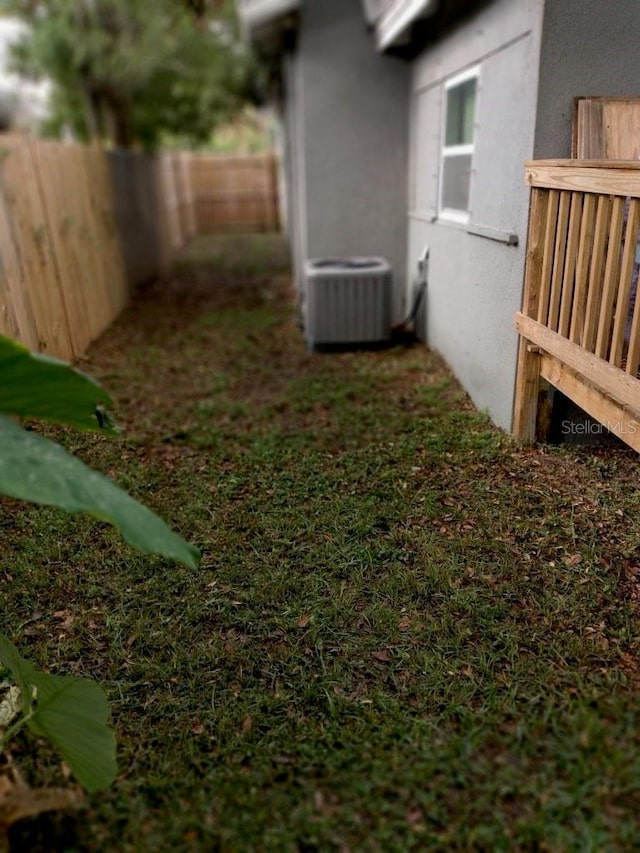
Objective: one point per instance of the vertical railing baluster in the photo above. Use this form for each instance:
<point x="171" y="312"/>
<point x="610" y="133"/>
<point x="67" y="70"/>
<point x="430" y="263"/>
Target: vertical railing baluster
<point x="633" y="356"/>
<point x="603" y="216"/>
<point x="582" y="267"/>
<point x="559" y="255"/>
<point x="611" y="270"/>
<point x="549" y="242"/>
<point x="571" y="258"/>
<point x="624" y="286"/>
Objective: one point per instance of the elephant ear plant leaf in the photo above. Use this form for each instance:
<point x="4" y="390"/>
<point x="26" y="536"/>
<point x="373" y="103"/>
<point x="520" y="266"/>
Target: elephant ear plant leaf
<point x="32" y="468"/>
<point x="71" y="713"/>
<point x="38" y="386"/>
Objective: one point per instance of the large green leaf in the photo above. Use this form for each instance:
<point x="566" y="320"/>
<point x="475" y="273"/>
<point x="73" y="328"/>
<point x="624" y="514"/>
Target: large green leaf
<point x="32" y="468"/>
<point x="72" y="713"/>
<point x="37" y="386"/>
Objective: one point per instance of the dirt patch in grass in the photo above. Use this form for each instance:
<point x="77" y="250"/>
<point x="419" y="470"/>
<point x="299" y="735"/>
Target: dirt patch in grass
<point x="406" y="633"/>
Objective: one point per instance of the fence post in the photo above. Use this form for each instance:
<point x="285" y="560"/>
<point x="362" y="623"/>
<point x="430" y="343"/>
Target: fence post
<point x="186" y="161"/>
<point x="162" y="216"/>
<point x="169" y="200"/>
<point x="274" y="218"/>
<point x="528" y="370"/>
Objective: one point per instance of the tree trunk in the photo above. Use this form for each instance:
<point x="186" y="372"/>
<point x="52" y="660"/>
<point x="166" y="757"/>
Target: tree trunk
<point x="119" y="117"/>
<point x="91" y="112"/>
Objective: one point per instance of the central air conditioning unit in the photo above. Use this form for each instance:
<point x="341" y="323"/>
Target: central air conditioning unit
<point x="348" y="301"/>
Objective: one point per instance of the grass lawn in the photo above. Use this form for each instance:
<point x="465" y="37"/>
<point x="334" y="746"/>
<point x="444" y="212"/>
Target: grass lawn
<point x="407" y="633"/>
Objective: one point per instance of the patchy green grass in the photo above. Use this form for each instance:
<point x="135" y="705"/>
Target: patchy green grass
<point x="407" y="633"/>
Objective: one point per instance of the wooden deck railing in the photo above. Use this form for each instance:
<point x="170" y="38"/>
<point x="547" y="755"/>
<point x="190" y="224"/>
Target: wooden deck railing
<point x="580" y="319"/>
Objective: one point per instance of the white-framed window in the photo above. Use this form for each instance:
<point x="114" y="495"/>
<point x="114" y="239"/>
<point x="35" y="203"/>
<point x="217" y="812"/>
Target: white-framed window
<point x="460" y="101"/>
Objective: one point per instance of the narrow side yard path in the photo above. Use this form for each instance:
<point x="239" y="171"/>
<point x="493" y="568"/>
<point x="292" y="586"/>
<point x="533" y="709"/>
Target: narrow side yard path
<point x="407" y="633"/>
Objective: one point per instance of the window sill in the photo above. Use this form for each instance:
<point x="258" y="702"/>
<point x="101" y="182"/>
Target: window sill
<point x="506" y="237"/>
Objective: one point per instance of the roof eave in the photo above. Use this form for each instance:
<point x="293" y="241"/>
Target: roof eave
<point x="261" y="19"/>
<point x="394" y="28"/>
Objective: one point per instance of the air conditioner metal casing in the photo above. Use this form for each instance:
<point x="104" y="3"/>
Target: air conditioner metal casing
<point x="347" y="301"/>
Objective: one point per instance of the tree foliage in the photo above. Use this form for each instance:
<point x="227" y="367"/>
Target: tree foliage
<point x="136" y="71"/>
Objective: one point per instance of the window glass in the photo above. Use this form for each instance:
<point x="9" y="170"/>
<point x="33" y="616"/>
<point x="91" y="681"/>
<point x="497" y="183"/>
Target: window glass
<point x="456" y="179"/>
<point x="457" y="146"/>
<point x="461" y="102"/>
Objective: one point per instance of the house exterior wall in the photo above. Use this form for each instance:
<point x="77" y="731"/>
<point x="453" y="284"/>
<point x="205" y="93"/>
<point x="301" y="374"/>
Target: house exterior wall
<point x="475" y="279"/>
<point x="588" y="48"/>
<point x="292" y="116"/>
<point x="346" y="119"/>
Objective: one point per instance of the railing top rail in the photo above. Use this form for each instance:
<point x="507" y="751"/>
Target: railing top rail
<point x="604" y="177"/>
<point x="584" y="164"/>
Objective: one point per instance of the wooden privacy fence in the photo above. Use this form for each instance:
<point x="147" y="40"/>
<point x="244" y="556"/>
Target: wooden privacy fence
<point x="580" y="319"/>
<point x="212" y="193"/>
<point x="80" y="227"/>
<point x="234" y="193"/>
<point x="62" y="278"/>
